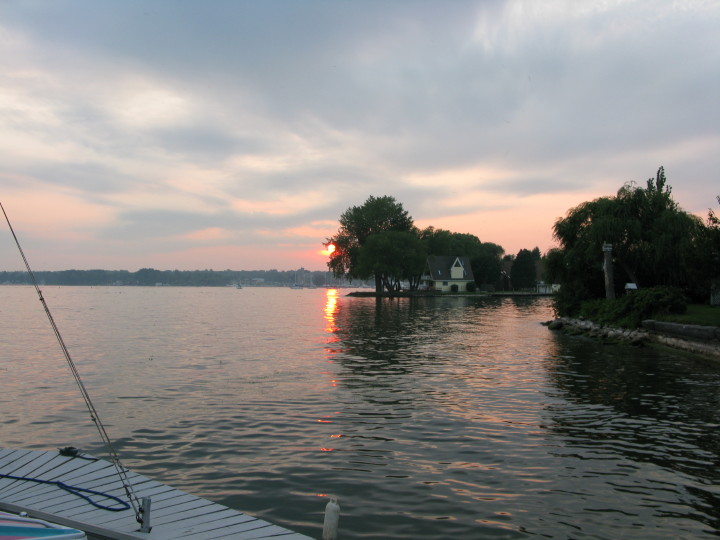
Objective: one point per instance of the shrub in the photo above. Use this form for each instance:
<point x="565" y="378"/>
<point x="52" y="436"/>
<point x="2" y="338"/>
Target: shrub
<point x="569" y="299"/>
<point x="630" y="310"/>
<point x="454" y="287"/>
<point x="471" y="287"/>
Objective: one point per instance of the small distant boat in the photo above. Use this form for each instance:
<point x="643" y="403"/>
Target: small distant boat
<point x="13" y="526"/>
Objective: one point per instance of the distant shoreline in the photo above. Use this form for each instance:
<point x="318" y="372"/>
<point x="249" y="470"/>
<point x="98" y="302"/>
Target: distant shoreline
<point x="153" y="277"/>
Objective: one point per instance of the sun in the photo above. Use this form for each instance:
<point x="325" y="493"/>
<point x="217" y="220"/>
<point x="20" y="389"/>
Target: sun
<point x="328" y="251"/>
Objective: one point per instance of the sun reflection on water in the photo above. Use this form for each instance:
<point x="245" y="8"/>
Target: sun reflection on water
<point x="330" y="310"/>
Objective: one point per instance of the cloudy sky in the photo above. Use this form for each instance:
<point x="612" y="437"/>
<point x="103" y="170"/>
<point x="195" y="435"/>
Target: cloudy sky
<point x="183" y="135"/>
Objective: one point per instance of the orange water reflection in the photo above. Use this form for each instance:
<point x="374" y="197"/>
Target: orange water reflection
<point x="330" y="314"/>
<point x="330" y="310"/>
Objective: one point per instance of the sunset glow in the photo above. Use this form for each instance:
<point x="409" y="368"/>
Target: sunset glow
<point x="486" y="118"/>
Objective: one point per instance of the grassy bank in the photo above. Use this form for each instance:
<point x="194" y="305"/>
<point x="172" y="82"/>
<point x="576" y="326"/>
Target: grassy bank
<point x="696" y="314"/>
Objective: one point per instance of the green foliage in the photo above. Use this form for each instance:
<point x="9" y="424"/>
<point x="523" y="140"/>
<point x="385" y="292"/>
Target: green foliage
<point x="486" y="263"/>
<point x="569" y="299"/>
<point x="554" y="268"/>
<point x="630" y="310"/>
<point x="654" y="242"/>
<point x="357" y="225"/>
<point x="437" y="241"/>
<point x="485" y="257"/>
<point x="359" y="254"/>
<point x="376" y="215"/>
<point x="713" y="220"/>
<point x="709" y="260"/>
<point x="454" y="288"/>
<point x="523" y="271"/>
<point x="392" y="255"/>
<point x="471" y="287"/>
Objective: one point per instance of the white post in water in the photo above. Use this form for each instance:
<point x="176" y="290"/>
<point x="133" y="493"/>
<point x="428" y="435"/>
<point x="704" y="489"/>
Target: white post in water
<point x="332" y="517"/>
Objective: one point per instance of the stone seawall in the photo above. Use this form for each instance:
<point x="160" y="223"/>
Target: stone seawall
<point x="702" y="340"/>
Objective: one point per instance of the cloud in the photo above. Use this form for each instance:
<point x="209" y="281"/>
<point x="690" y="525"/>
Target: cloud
<point x="167" y="125"/>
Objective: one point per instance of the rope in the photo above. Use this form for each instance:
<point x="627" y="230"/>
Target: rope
<point x="115" y="459"/>
<point x="78" y="491"/>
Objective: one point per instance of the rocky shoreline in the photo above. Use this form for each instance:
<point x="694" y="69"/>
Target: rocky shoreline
<point x="695" y="339"/>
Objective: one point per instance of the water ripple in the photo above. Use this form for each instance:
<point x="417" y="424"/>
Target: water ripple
<point x="430" y="418"/>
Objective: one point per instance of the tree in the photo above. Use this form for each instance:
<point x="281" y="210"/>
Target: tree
<point x="707" y="262"/>
<point x="437" y="241"/>
<point x="148" y="276"/>
<point x="713" y="240"/>
<point x="394" y="256"/>
<point x="713" y="220"/>
<point x="485" y="257"/>
<point x="523" y="271"/>
<point x="653" y="242"/>
<point x="357" y="224"/>
<point x="487" y="263"/>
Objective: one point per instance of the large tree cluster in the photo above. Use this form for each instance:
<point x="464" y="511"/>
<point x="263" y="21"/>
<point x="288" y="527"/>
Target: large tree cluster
<point x="379" y="239"/>
<point x="654" y="243"/>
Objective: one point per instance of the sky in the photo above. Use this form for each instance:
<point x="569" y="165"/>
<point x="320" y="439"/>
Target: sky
<point x="232" y="134"/>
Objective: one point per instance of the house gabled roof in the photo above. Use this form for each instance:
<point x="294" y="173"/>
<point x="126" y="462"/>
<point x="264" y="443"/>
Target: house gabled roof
<point x="439" y="267"/>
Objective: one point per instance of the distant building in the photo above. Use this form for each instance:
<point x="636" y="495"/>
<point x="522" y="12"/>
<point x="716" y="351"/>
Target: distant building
<point x="442" y="272"/>
<point x="547" y="288"/>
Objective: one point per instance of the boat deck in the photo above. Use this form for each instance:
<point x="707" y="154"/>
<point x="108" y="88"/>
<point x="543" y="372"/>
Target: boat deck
<point x="174" y="513"/>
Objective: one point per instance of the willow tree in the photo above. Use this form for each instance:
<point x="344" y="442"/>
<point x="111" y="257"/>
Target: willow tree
<point x="653" y="241"/>
<point x="357" y="224"/>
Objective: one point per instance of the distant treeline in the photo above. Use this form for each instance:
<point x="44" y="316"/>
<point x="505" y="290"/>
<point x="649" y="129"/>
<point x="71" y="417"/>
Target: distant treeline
<point x="188" y="278"/>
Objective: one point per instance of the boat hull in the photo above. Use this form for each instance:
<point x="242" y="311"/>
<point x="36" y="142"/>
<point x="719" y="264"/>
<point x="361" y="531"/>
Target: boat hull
<point x="14" y="527"/>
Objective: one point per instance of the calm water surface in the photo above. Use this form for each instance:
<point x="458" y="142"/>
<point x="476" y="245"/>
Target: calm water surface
<point x="428" y="418"/>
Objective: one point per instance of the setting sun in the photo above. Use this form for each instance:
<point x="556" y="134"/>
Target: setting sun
<point x="329" y="250"/>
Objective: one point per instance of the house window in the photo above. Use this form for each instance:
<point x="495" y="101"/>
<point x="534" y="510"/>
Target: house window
<point x="445" y="283"/>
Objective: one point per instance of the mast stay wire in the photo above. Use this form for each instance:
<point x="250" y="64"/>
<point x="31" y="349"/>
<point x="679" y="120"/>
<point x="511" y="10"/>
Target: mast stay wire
<point x="114" y="457"/>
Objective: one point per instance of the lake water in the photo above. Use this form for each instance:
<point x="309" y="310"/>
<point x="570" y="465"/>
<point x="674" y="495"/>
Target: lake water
<point x="428" y="418"/>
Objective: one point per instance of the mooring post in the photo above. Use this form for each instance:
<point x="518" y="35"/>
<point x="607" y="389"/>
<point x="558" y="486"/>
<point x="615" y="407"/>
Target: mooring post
<point x="332" y="517"/>
<point x="145" y="509"/>
<point x="608" y="268"/>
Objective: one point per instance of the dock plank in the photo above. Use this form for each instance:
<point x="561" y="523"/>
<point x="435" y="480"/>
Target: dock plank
<point x="53" y="495"/>
<point x="56" y="468"/>
<point x="175" y="514"/>
<point x="22" y="464"/>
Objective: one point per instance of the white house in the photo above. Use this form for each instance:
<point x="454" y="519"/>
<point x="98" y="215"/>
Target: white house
<point x="442" y="272"/>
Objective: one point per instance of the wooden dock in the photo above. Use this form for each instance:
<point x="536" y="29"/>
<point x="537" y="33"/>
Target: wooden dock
<point x="174" y="514"/>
